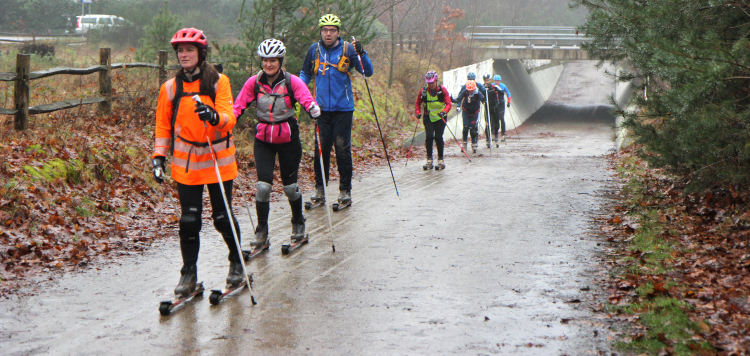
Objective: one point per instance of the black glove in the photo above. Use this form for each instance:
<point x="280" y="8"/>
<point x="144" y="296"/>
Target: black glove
<point x="158" y="165"/>
<point x="419" y="116"/>
<point x="442" y="115"/>
<point x="358" y="47"/>
<point x="207" y="113"/>
<point x="508" y="104"/>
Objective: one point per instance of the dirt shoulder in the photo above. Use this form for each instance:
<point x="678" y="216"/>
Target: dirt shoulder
<point x="679" y="265"/>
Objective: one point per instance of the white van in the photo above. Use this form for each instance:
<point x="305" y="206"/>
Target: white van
<point x="98" y="22"/>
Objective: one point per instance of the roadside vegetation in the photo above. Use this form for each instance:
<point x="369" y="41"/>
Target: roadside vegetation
<point x="681" y="231"/>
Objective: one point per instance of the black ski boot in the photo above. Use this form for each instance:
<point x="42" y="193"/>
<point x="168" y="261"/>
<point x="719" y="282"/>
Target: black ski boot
<point x="428" y="165"/>
<point x="235" y="270"/>
<point x="474" y="147"/>
<point x="440" y="165"/>
<point x="188" y="280"/>
<point x="261" y="236"/>
<point x="298" y="229"/>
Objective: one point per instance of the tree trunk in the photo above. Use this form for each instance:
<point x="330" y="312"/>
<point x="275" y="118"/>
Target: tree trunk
<point x="393" y="43"/>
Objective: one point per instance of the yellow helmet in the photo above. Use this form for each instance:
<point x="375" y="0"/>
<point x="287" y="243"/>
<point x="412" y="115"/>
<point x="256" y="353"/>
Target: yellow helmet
<point x="329" y="20"/>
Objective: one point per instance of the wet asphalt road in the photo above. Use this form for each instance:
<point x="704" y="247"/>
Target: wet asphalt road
<point x="486" y="257"/>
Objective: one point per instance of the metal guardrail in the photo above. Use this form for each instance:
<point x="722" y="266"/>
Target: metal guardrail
<point x="527" y="35"/>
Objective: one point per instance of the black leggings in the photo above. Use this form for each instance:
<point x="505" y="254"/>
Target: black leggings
<point x="433" y="131"/>
<point x="191" y="204"/>
<point x="290" y="154"/>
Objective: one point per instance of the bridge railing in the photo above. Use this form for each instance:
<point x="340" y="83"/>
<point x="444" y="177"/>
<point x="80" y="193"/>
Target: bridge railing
<point x="526" y="35"/>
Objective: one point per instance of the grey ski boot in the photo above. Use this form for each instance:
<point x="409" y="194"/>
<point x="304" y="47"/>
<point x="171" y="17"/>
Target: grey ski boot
<point x="261" y="236"/>
<point x="298" y="229"/>
<point x="428" y="165"/>
<point x="345" y="197"/>
<point x="188" y="280"/>
<point x="320" y="195"/>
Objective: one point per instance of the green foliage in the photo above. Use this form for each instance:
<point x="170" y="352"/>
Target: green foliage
<point x="667" y="324"/>
<point x="57" y="168"/>
<point x="294" y="22"/>
<point x="37" y="15"/>
<point x="691" y="56"/>
<point x="158" y="35"/>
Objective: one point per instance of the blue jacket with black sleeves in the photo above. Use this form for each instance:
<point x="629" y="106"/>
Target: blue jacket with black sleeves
<point x="333" y="89"/>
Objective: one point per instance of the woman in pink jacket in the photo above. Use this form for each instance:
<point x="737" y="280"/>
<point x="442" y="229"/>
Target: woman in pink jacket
<point x="277" y="133"/>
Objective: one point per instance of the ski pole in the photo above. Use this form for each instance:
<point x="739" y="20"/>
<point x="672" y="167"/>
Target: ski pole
<point x="412" y="143"/>
<point x="197" y="99"/>
<point x="323" y="177"/>
<point x="489" y="124"/>
<point x="454" y="138"/>
<point x="376" y="119"/>
<point x="514" y="124"/>
<point x="244" y="198"/>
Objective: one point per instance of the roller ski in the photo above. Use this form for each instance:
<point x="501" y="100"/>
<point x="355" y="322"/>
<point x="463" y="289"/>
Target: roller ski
<point x="217" y="295"/>
<point x="186" y="290"/>
<point x="235" y="282"/>
<point x="299" y="237"/>
<point x="440" y="165"/>
<point x="317" y="200"/>
<point x="474" y="147"/>
<point x="428" y="165"/>
<point x="261" y="243"/>
<point x="345" y="201"/>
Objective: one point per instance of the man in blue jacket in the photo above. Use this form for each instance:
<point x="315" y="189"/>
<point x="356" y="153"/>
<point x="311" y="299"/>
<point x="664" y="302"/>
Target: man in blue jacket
<point x="329" y="62"/>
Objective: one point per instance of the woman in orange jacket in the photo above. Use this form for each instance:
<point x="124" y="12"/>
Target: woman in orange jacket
<point x="184" y="127"/>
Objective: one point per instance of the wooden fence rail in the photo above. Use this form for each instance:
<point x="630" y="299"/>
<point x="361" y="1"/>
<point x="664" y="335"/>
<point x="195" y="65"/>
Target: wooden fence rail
<point x="23" y="77"/>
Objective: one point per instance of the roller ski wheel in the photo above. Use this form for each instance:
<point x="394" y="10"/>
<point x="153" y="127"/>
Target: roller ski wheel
<point x="295" y="244"/>
<point x="313" y="204"/>
<point x="340" y="206"/>
<point x="248" y="255"/>
<point x="167" y="306"/>
<point x="217" y="295"/>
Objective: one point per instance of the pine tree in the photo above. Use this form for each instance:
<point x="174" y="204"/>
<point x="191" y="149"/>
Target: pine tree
<point x="157" y="36"/>
<point x="692" y="59"/>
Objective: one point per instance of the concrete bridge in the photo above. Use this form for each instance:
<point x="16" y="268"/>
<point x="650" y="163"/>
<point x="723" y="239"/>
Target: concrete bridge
<point x="527" y="42"/>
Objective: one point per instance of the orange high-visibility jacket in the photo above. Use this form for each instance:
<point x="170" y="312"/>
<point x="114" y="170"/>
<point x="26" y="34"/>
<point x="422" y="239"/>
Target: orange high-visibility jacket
<point x="192" y="162"/>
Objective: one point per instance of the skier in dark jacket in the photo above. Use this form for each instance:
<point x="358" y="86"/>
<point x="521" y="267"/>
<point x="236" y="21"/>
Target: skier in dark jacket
<point x="496" y="94"/>
<point x="470" y="98"/>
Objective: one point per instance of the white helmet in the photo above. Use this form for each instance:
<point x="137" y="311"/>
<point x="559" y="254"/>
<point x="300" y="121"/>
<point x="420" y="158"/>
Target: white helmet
<point x="271" y="48"/>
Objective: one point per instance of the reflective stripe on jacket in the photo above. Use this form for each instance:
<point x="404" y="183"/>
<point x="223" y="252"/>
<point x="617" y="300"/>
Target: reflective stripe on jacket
<point x="192" y="162"/>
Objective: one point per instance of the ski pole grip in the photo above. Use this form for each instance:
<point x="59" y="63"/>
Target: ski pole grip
<point x="197" y="99"/>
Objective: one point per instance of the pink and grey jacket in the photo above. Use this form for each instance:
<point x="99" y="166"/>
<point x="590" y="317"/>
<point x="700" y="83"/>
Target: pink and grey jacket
<point x="274" y="104"/>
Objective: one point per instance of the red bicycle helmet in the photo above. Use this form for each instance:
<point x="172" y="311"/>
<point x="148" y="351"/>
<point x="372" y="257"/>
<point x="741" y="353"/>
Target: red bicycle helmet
<point x="471" y="85"/>
<point x="189" y="35"/>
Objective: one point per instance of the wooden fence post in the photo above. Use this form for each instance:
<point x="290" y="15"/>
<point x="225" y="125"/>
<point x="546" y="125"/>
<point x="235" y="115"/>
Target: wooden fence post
<point x="162" y="67"/>
<point x="105" y="82"/>
<point x="21" y="91"/>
